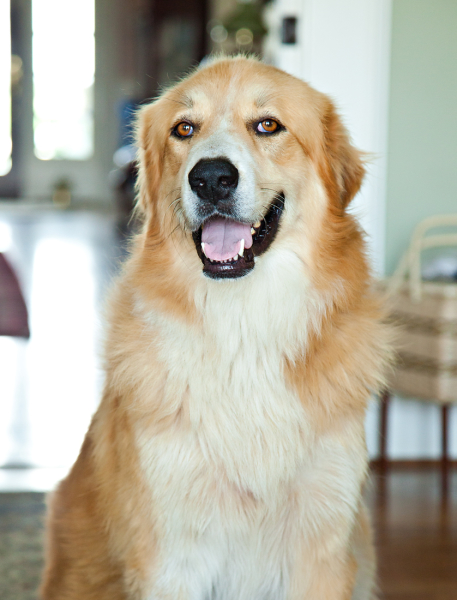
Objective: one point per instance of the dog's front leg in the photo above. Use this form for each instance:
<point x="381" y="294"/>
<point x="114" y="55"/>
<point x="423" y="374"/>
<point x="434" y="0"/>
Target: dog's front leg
<point x="328" y="577"/>
<point x="325" y="553"/>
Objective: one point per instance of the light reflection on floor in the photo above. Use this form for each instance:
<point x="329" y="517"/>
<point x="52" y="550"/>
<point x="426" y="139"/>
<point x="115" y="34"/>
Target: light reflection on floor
<point x="51" y="384"/>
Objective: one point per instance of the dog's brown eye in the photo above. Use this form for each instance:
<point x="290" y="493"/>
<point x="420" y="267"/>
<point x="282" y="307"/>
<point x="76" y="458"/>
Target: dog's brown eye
<point x="267" y="126"/>
<point x="183" y="129"/>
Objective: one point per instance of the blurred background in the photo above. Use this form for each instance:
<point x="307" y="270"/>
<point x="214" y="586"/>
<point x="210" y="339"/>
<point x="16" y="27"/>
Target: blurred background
<point x="73" y="72"/>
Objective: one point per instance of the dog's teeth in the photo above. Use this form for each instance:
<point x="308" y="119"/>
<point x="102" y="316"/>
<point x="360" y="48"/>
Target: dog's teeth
<point x="203" y="248"/>
<point x="257" y="225"/>
<point x="252" y="230"/>
<point x="235" y="257"/>
<point x="241" y="250"/>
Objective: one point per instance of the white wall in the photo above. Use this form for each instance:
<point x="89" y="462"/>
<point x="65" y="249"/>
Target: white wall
<point x="422" y="161"/>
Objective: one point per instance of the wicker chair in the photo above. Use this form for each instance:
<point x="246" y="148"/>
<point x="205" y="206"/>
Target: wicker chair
<point x="426" y="315"/>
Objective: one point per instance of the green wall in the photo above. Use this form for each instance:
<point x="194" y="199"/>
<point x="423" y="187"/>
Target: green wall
<point x="422" y="158"/>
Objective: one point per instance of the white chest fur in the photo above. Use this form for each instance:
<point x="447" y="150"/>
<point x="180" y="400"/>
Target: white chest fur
<point x="225" y="486"/>
<point x="228" y="372"/>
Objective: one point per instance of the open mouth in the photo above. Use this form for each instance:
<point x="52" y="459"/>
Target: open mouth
<point x="228" y="248"/>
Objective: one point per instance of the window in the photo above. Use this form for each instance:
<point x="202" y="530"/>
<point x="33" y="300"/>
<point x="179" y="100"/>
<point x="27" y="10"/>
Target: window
<point x="5" y="88"/>
<point x="63" y="78"/>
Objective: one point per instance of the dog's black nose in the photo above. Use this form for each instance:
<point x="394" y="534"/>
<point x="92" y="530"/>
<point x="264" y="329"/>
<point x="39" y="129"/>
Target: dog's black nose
<point x="213" y="179"/>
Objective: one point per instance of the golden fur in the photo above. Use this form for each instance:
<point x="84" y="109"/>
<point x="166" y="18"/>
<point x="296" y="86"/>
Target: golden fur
<point x="227" y="458"/>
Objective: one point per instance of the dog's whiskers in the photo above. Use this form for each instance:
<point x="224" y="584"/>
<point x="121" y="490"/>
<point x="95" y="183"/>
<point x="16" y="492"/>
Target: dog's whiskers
<point x="172" y="231"/>
<point x="179" y="225"/>
<point x="173" y="204"/>
<point x="176" y="189"/>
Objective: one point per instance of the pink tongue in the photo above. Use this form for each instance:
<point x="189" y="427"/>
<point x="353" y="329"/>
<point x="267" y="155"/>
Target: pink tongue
<point x="222" y="238"/>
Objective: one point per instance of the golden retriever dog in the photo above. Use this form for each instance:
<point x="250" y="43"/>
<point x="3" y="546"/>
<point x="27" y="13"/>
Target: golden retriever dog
<point x="227" y="458"/>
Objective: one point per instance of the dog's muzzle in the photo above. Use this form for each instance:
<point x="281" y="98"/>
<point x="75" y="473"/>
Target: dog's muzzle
<point x="226" y="241"/>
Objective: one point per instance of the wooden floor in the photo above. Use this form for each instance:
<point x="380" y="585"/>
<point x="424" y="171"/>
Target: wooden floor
<point x="415" y="518"/>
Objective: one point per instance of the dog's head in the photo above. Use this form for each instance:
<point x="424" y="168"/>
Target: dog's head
<point x="241" y="157"/>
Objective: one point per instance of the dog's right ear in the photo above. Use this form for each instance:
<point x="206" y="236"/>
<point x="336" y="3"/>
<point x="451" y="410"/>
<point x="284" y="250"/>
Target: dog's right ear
<point x="150" y="143"/>
<point x="344" y="168"/>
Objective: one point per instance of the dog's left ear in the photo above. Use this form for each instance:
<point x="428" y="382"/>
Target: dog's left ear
<point x="344" y="166"/>
<point x="149" y="142"/>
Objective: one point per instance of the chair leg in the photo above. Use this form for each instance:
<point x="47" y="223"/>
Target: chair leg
<point x="385" y="401"/>
<point x="445" y="453"/>
<point x="445" y="434"/>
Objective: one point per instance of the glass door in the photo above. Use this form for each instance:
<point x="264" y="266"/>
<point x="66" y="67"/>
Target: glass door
<point x="47" y="97"/>
<point x="11" y="96"/>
